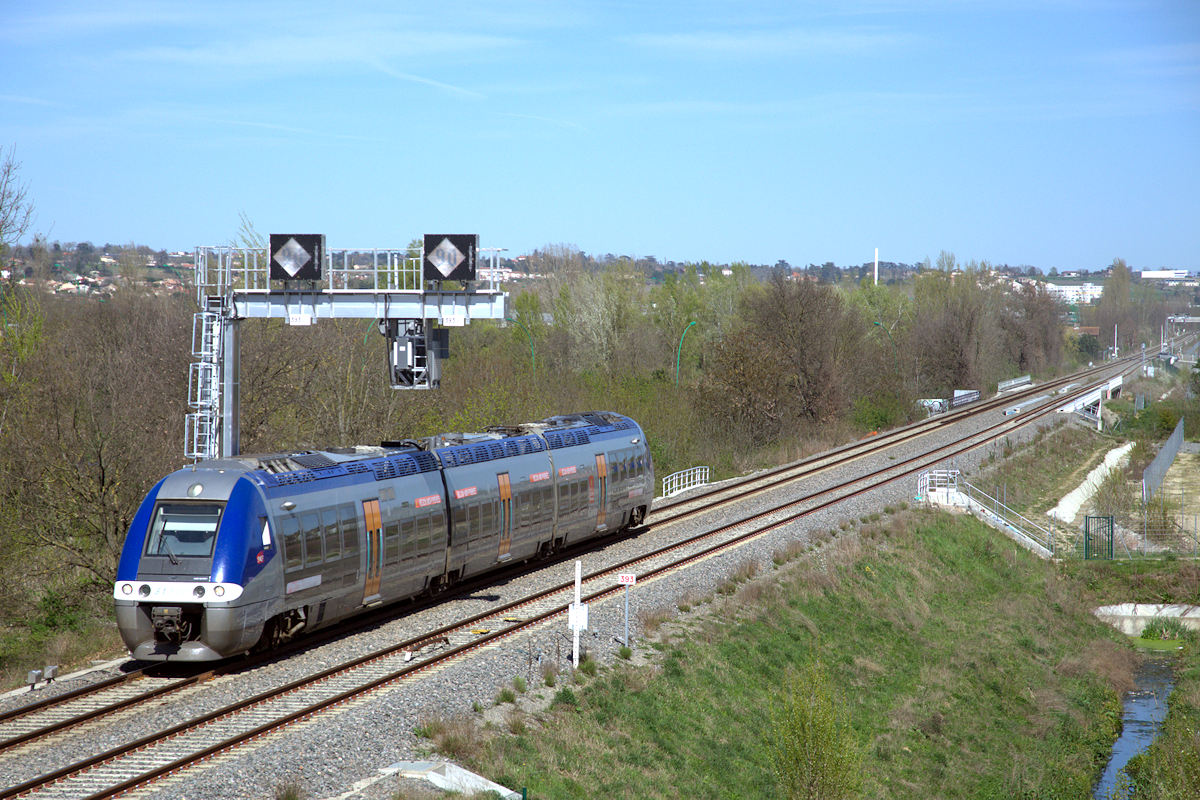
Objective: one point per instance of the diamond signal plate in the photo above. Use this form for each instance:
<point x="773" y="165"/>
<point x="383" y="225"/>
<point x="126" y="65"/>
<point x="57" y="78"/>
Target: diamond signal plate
<point x="446" y="257"/>
<point x="292" y="257"/>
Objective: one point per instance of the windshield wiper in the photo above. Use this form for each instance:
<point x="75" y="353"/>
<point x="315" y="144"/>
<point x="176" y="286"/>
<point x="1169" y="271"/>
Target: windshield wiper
<point x="170" y="553"/>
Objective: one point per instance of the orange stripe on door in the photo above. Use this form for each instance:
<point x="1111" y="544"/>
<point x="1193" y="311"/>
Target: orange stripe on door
<point x="505" y="513"/>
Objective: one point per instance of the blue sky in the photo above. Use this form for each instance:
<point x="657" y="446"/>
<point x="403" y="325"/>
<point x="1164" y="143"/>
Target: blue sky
<point x="1055" y="133"/>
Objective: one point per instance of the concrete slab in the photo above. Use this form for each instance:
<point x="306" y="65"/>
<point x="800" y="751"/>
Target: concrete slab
<point x="1132" y="618"/>
<point x="450" y="777"/>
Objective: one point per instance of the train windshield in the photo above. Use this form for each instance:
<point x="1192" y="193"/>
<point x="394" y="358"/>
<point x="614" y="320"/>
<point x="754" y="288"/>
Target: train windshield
<point x="183" y="530"/>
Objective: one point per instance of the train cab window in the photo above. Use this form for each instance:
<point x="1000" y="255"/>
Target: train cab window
<point x="311" y="525"/>
<point x="349" y="520"/>
<point x="293" y="553"/>
<point x="182" y="530"/>
<point x="333" y="536"/>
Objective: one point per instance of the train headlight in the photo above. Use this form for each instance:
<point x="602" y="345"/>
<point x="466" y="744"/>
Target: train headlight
<point x="126" y="588"/>
<point x="144" y="590"/>
<point x="195" y="489"/>
<point x="219" y="591"/>
<point x="198" y="591"/>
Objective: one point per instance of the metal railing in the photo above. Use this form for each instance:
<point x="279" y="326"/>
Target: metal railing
<point x="1004" y="386"/>
<point x="949" y="482"/>
<point x="684" y="479"/>
<point x="965" y="397"/>
<point x="223" y="270"/>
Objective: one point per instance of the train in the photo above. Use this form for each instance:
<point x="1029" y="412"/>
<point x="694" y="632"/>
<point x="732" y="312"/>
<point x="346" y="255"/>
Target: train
<point x="244" y="553"/>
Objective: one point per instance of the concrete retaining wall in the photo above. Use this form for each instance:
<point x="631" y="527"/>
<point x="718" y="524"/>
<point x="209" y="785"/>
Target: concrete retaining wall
<point x="1132" y="618"/>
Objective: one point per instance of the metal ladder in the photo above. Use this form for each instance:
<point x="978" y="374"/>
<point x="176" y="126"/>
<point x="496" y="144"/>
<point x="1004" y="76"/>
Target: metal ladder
<point x="204" y="383"/>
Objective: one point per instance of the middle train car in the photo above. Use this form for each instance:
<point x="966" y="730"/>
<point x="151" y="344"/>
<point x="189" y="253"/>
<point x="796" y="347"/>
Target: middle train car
<point x="334" y="531"/>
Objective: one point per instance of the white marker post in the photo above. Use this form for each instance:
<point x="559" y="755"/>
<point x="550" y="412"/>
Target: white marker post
<point x="627" y="579"/>
<point x="577" y="617"/>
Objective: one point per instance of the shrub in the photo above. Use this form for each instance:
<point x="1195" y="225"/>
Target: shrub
<point x="515" y="722"/>
<point x="288" y="791"/>
<point x="520" y="685"/>
<point x="1167" y="628"/>
<point x="588" y="667"/>
<point x="625" y="653"/>
<point x="549" y="673"/>
<point x="812" y="744"/>
<point x="565" y="697"/>
<point x="651" y="619"/>
<point x="506" y="696"/>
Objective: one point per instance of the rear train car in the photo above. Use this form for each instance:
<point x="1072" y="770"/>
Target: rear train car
<point x="251" y="551"/>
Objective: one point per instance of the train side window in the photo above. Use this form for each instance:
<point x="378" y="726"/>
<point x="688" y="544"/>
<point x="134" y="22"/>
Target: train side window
<point x="333" y="536"/>
<point x="408" y="537"/>
<point x="437" y="530"/>
<point x="349" y="519"/>
<point x="310" y="525"/>
<point x="424" y="526"/>
<point x="487" y="517"/>
<point x="293" y="553"/>
<point x="460" y="522"/>
<point x="391" y="535"/>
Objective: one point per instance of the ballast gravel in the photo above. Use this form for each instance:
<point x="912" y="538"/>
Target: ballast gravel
<point x="326" y="756"/>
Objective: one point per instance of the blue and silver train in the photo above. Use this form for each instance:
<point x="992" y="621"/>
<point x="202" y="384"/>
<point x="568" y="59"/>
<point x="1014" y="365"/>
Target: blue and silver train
<point x="249" y="551"/>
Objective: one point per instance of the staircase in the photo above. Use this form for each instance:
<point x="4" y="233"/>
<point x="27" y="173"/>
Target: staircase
<point x="947" y="487"/>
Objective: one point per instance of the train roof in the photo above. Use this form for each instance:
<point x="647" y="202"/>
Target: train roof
<point x="393" y="459"/>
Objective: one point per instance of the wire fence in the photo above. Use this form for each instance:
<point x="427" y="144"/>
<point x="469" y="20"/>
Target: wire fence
<point x="1153" y="475"/>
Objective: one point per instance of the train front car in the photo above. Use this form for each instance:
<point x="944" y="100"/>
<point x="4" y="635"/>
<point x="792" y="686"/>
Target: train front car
<point x="198" y="574"/>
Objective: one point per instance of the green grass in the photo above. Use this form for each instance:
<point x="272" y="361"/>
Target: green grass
<point x="1036" y="476"/>
<point x="1142" y="580"/>
<point x="967" y="667"/>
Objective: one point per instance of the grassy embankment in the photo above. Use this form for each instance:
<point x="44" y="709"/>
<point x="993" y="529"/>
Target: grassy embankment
<point x="968" y="668"/>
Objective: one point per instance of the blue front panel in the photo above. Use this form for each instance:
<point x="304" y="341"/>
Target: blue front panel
<point x="239" y="539"/>
<point x="135" y="539"/>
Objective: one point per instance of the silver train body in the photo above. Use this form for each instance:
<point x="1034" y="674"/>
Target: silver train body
<point x="231" y="554"/>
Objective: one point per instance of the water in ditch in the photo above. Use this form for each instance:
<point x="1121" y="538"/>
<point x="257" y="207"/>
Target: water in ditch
<point x="1144" y="710"/>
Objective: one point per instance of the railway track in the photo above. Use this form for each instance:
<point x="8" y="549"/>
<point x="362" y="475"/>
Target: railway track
<point x="146" y="759"/>
<point x="122" y="692"/>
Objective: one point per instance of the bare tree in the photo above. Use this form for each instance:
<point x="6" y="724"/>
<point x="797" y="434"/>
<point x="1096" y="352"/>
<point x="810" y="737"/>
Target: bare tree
<point x="16" y="210"/>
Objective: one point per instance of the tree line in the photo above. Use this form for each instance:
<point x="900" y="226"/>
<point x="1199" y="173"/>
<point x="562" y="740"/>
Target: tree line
<point x="721" y="368"/>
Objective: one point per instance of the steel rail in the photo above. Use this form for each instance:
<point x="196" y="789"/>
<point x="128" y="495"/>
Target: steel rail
<point x="778" y="476"/>
<point x="875" y="479"/>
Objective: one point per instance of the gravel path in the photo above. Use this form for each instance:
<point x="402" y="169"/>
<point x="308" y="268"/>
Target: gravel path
<point x="327" y="756"/>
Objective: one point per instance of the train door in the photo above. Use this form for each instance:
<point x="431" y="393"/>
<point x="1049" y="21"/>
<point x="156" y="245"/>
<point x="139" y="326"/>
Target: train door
<point x="601" y="490"/>
<point x="505" y="515"/>
<point x="374" y="528"/>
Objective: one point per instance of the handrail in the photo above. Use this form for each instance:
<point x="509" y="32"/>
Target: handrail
<point x="684" y="479"/>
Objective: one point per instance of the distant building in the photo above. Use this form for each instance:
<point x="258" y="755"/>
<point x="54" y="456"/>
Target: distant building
<point x="1074" y="293"/>
<point x="1165" y="274"/>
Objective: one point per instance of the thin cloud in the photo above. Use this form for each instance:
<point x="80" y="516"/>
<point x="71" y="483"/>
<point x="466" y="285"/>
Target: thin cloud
<point x="758" y="43"/>
<point x="407" y="76"/>
<point x="89" y="22"/>
<point x="1179" y="60"/>
<point x="305" y="51"/>
<point x="28" y="101"/>
<point x="558" y="123"/>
